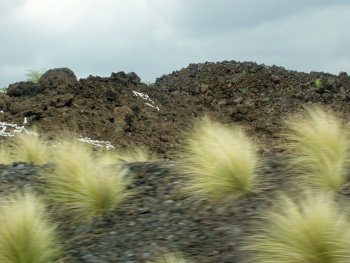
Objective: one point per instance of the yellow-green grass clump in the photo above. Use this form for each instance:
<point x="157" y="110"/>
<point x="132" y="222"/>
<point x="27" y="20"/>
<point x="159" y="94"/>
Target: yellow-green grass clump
<point x="318" y="83"/>
<point x="136" y="154"/>
<point x="30" y="148"/>
<point x="220" y="162"/>
<point x="5" y="157"/>
<point x="26" y="233"/>
<point x="83" y="186"/>
<point x="106" y="157"/>
<point x="311" y="229"/>
<point x="320" y="144"/>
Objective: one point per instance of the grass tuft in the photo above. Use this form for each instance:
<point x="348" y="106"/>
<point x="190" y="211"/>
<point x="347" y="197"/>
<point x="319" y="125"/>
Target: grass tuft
<point x="318" y="83"/>
<point x="136" y="154"/>
<point x="5" y="157"/>
<point x="30" y="148"/>
<point x="81" y="185"/>
<point x="107" y="157"/>
<point x="312" y="229"/>
<point x="168" y="257"/>
<point x="26" y="234"/>
<point x="221" y="162"/>
<point x="127" y="156"/>
<point x="320" y="143"/>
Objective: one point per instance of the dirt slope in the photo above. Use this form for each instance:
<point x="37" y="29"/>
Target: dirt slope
<point x="126" y="112"/>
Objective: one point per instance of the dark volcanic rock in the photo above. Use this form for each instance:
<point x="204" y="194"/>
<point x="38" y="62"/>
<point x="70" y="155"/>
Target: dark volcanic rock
<point x="128" y="113"/>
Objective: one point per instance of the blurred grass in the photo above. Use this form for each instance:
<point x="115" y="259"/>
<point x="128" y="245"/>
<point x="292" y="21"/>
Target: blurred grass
<point x="221" y="162"/>
<point x="26" y="233"/>
<point x="30" y="148"/>
<point x="319" y="143"/>
<point x="84" y="187"/>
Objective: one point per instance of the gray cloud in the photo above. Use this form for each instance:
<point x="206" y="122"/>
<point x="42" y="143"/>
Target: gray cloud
<point x="155" y="37"/>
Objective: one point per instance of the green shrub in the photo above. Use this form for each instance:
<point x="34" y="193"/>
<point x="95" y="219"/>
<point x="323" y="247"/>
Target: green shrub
<point x="81" y="185"/>
<point x="26" y="234"/>
<point x="220" y="162"/>
<point x="311" y="229"/>
<point x="34" y="75"/>
<point x="4" y="89"/>
<point x="320" y="144"/>
<point x="318" y="82"/>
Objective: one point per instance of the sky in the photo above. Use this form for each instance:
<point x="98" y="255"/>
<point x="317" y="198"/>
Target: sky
<point x="156" y="37"/>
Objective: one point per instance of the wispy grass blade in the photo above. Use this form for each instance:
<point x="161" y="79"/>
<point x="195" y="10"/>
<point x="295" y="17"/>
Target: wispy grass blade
<point x="221" y="162"/>
<point x="5" y="155"/>
<point x="26" y="233"/>
<point x="313" y="228"/>
<point x="83" y="187"/>
<point x="136" y="155"/>
<point x="320" y="144"/>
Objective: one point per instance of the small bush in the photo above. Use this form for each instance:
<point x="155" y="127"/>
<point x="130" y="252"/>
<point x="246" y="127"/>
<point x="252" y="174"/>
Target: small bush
<point x="26" y="235"/>
<point x="320" y="144"/>
<point x="128" y="156"/>
<point x="34" y="75"/>
<point x="312" y="229"/>
<point x="30" y="148"/>
<point x="221" y="162"/>
<point x="136" y="155"/>
<point x="83" y="187"/>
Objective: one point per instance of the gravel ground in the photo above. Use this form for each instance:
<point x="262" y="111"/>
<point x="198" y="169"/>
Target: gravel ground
<point x="159" y="216"/>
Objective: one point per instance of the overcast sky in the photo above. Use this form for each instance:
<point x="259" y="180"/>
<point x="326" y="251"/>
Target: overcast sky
<point x="156" y="37"/>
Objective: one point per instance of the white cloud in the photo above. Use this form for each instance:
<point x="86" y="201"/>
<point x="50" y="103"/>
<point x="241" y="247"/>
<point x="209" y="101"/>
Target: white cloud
<point x="153" y="37"/>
